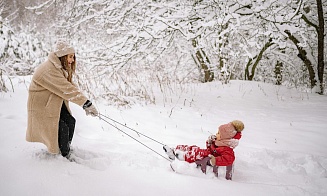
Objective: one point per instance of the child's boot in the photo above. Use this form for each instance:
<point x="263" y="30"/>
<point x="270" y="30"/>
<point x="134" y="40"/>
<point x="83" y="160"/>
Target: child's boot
<point x="169" y="152"/>
<point x="180" y="155"/>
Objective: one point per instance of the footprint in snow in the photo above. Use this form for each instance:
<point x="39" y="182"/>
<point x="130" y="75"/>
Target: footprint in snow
<point x="83" y="157"/>
<point x="45" y="155"/>
<point x="90" y="159"/>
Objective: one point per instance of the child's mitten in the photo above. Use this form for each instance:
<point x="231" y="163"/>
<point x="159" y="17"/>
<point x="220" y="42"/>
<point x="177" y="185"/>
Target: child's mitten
<point x="211" y="138"/>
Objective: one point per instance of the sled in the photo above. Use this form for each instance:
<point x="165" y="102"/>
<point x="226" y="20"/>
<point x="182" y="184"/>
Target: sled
<point x="192" y="169"/>
<point x="204" y="163"/>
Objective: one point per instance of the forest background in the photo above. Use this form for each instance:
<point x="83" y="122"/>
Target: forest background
<point x="126" y="47"/>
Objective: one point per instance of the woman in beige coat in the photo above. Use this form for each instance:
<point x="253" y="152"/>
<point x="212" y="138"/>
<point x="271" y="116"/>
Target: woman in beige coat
<point x="49" y="118"/>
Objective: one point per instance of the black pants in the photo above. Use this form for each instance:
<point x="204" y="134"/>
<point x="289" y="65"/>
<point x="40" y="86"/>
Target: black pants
<point x="66" y="130"/>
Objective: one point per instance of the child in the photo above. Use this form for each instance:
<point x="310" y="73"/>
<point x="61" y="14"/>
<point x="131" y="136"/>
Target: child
<point x="219" y="147"/>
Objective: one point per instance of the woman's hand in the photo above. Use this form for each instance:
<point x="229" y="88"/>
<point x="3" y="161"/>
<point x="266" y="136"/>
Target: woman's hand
<point x="91" y="110"/>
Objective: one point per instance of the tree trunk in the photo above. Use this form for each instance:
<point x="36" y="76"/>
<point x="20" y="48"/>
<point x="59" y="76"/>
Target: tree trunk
<point x="3" y="87"/>
<point x="320" y="45"/>
<point x="278" y="72"/>
<point x="203" y="62"/>
<point x="303" y="56"/>
<point x="247" y="74"/>
<point x="258" y="58"/>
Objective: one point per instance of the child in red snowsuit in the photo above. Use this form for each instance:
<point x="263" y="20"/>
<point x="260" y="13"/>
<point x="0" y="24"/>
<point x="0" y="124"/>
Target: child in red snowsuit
<point x="219" y="147"/>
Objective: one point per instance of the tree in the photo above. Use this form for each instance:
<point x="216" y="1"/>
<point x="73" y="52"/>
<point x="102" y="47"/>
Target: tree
<point x="321" y="36"/>
<point x="257" y="59"/>
<point x="8" y="53"/>
<point x="313" y="18"/>
<point x="296" y="20"/>
<point x="127" y="42"/>
<point x="20" y="51"/>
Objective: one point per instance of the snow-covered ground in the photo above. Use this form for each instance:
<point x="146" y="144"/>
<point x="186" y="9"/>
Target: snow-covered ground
<point x="283" y="150"/>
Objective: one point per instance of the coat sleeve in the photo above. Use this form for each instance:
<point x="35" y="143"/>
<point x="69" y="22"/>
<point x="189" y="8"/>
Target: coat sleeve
<point x="55" y="81"/>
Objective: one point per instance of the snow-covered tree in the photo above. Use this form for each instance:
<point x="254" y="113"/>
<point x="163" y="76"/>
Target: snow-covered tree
<point x="127" y="42"/>
<point x="20" y="51"/>
<point x="313" y="15"/>
<point x="7" y="52"/>
<point x="287" y="41"/>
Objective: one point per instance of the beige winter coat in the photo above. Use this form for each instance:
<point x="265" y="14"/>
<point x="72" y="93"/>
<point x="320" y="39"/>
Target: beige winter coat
<point x="48" y="89"/>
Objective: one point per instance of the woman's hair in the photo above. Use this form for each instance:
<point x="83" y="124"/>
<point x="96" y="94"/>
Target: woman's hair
<point x="70" y="70"/>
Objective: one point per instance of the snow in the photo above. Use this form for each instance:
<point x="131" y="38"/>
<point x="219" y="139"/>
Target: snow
<point x="282" y="151"/>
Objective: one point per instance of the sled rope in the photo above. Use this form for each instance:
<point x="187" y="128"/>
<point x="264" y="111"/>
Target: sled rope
<point x="132" y="129"/>
<point x="132" y="136"/>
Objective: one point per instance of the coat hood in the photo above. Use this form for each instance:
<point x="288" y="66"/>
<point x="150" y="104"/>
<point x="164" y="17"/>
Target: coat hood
<point x="54" y="60"/>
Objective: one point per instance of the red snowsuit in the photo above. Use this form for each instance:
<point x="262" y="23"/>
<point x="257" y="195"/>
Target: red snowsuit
<point x="224" y="155"/>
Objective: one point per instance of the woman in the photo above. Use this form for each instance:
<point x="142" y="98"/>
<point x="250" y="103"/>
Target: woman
<point x="49" y="118"/>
